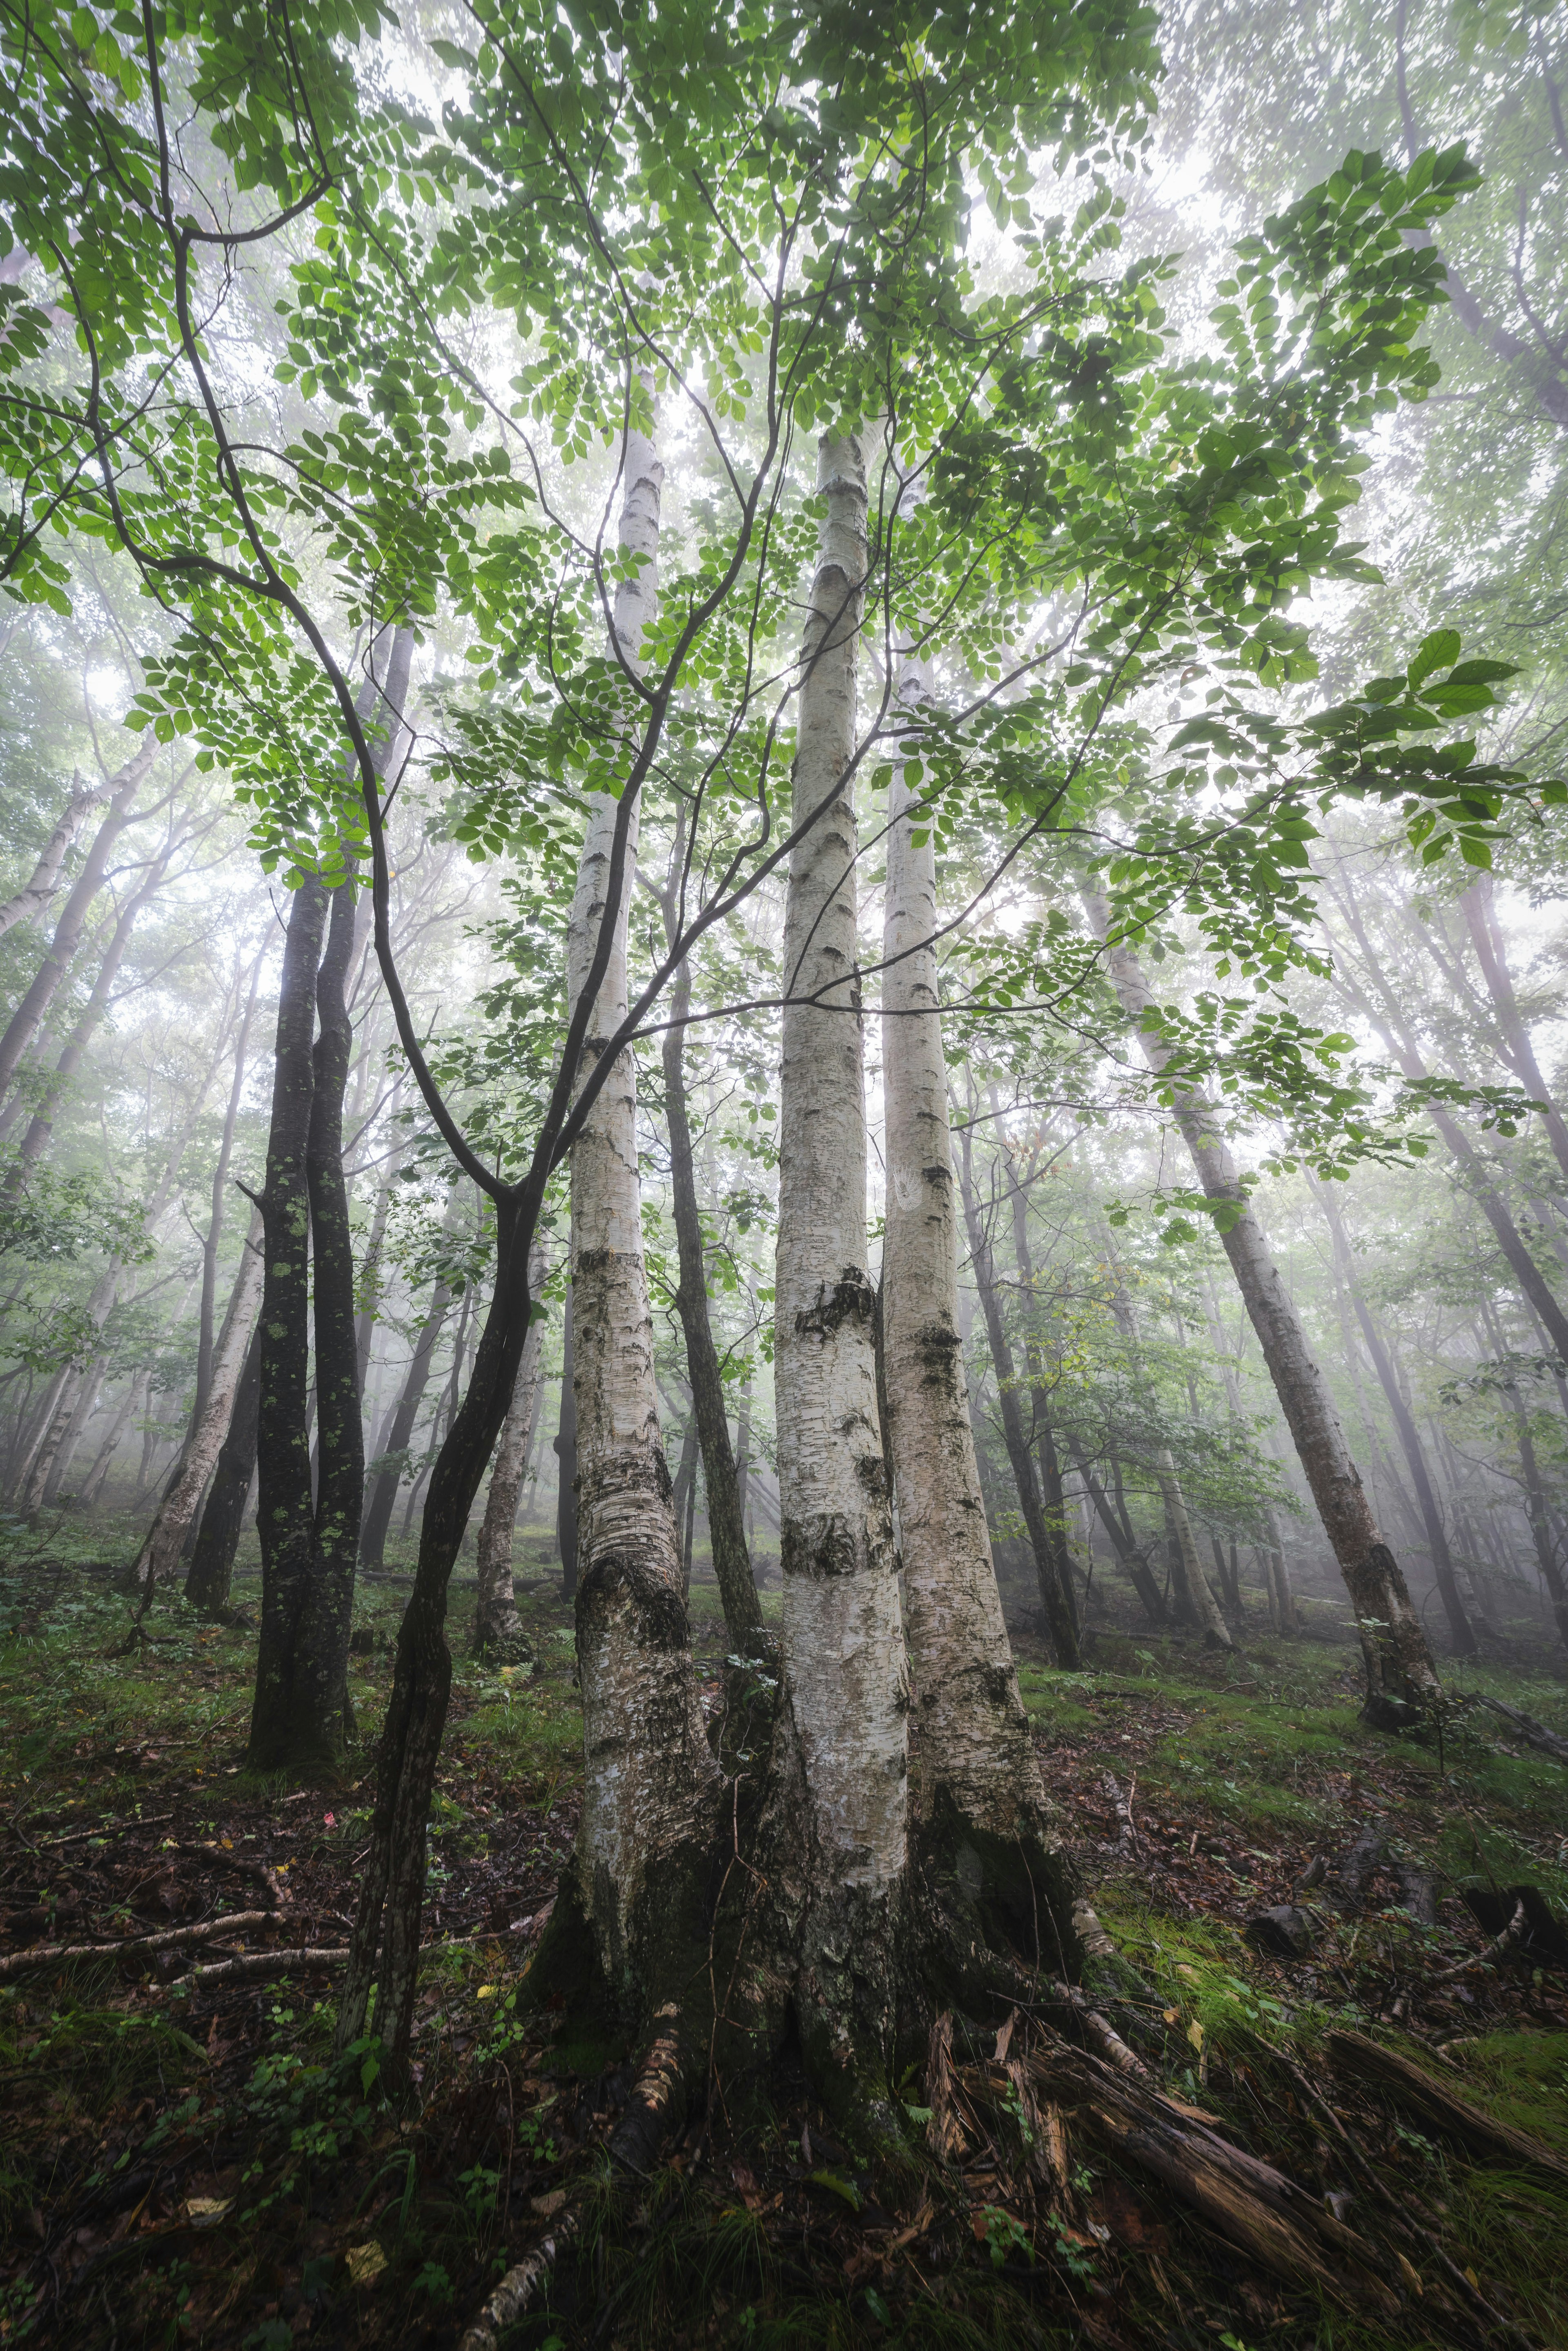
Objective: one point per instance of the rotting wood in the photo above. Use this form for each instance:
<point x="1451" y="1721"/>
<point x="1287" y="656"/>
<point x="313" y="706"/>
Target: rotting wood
<point x="1278" y="2224"/>
<point x="1433" y="2103"/>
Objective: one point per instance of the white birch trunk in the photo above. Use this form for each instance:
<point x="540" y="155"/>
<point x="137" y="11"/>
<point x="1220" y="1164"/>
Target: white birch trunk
<point x="1398" y="1662"/>
<point x="972" y="1745"/>
<point x="496" y="1625"/>
<point x="35" y="893"/>
<point x="648" y="1769"/>
<point x="164" y="1539"/>
<point x="845" y="1679"/>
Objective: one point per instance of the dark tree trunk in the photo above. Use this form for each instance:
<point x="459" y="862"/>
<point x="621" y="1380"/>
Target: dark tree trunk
<point x="1058" y="1602"/>
<point x="1129" y="1557"/>
<point x="726" y="1527"/>
<point x="281" y="1721"/>
<point x="383" y="1497"/>
<point x="210" y="1576"/>
<point x="566" y="1454"/>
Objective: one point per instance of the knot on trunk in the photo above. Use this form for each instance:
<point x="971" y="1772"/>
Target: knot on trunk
<point x="850" y="1299"/>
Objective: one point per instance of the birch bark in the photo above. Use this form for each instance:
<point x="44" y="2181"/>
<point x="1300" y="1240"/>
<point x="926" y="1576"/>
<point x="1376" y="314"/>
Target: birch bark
<point x="1400" y="1674"/>
<point x="972" y="1754"/>
<point x="845" y="1683"/>
<point x="496" y="1625"/>
<point x="649" y="1775"/>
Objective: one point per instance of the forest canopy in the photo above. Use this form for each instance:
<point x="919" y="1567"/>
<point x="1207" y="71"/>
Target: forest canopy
<point x="783" y="1002"/>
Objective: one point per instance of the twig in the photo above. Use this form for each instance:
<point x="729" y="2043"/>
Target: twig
<point x="80" y="1837"/>
<point x="170" y="1938"/>
<point x="1494" y="1951"/>
<point x="243" y="1866"/>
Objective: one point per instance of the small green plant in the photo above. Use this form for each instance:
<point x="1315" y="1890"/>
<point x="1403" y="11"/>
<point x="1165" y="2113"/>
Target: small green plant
<point x="434" y="2285"/>
<point x="1004" y="2235"/>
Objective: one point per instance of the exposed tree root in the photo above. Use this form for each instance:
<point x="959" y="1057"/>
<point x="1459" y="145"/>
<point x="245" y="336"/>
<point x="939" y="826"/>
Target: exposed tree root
<point x="1434" y="2106"/>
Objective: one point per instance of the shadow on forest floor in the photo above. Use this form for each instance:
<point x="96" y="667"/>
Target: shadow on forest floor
<point x="182" y="2164"/>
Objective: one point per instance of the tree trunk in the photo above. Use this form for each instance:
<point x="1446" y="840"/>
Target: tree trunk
<point x="1052" y="1493"/>
<point x="1059" y="1612"/>
<point x="369" y="1273"/>
<point x="41" y="1125"/>
<point x="103" y="1461"/>
<point x="565" y="1449"/>
<point x="1491" y="953"/>
<point x="1129" y="1557"/>
<point x="165" y="1538"/>
<point x="977" y="1785"/>
<point x="397" y="1431"/>
<point x="1198" y="1602"/>
<point x="35" y="893"/>
<point x="216" y="1219"/>
<point x="731" y="1560"/>
<point x="497" y="1628"/>
<point x="1400" y="1674"/>
<point x="25" y="1021"/>
<point x="842" y="1742"/>
<point x="649" y="1777"/>
<point x="1459" y="1625"/>
<point x="210" y="1576"/>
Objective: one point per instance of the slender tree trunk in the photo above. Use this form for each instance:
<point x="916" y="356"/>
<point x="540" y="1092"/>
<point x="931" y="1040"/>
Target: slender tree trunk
<point x="41" y="1125"/>
<point x="25" y="1021"/>
<point x="565" y="1449"/>
<point x="209" y="1578"/>
<point x="1199" y="1604"/>
<point x="103" y="1461"/>
<point x="165" y="1538"/>
<point x="1410" y="1436"/>
<point x="1400" y="1674"/>
<point x="731" y="1560"/>
<point x="369" y="1273"/>
<point x="497" y="1628"/>
<point x="842" y="1748"/>
<point x="386" y="1478"/>
<point x="649" y="1779"/>
<point x="1052" y="1493"/>
<point x="1058" y="1608"/>
<point x="1480" y="911"/>
<point x="1388" y="1019"/>
<point x="35" y="893"/>
<point x="1129" y="1557"/>
<point x="215" y="1219"/>
<point x="977" y="1782"/>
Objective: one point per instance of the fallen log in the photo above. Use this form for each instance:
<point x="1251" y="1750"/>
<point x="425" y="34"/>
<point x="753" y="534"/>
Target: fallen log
<point x="170" y="1938"/>
<point x="1433" y="2105"/>
<point x="251" y="1965"/>
<point x="1281" y="2226"/>
<point x="1524" y="1726"/>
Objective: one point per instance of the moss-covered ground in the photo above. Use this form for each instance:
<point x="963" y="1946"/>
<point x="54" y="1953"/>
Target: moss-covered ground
<point x="183" y="2163"/>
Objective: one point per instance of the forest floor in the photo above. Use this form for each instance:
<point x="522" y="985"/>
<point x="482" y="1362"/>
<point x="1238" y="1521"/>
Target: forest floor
<point x="183" y="2163"/>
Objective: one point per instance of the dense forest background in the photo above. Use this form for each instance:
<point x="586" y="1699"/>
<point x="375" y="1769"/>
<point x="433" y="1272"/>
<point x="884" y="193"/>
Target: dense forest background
<point x="1041" y="543"/>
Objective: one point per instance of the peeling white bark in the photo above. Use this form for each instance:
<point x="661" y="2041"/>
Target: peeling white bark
<point x="845" y="1675"/>
<point x="972" y="1733"/>
<point x="648" y="1769"/>
<point x="496" y="1621"/>
<point x="165" y="1537"/>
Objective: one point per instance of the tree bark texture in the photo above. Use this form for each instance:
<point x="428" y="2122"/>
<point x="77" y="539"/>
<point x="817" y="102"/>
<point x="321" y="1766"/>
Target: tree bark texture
<point x="1059" y="1614"/>
<point x="973" y="1759"/>
<point x="165" y="1538"/>
<point x="1400" y="1674"/>
<point x="209" y="1578"/>
<point x="497" y="1628"/>
<point x="731" y="1560"/>
<point x="565" y="1449"/>
<point x="649" y="1779"/>
<point x="845" y="1695"/>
